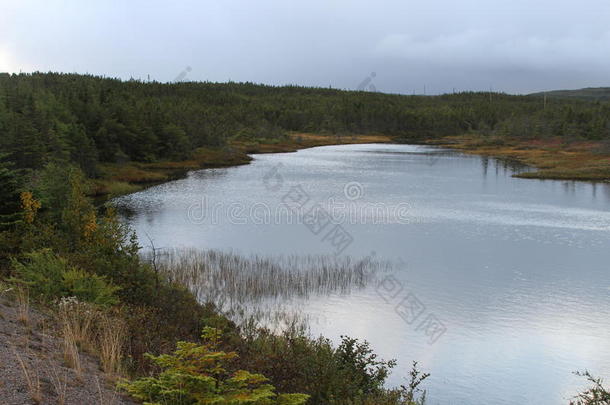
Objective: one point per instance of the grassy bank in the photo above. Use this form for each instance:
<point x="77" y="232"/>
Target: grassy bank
<point x="554" y="158"/>
<point x="124" y="178"/>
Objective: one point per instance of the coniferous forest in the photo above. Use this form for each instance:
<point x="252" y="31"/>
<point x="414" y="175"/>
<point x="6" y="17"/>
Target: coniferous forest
<point x="82" y="266"/>
<point x="87" y="119"/>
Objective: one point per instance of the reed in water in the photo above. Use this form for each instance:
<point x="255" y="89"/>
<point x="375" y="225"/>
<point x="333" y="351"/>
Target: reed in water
<point x="216" y="276"/>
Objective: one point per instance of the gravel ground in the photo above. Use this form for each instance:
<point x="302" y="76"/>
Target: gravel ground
<point x="31" y="346"/>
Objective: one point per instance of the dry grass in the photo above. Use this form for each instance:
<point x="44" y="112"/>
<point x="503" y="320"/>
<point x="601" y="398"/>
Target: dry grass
<point x="35" y="369"/>
<point x="111" y="337"/>
<point x="300" y="140"/>
<point x="85" y="327"/>
<point x="59" y="382"/>
<point x="115" y="188"/>
<point x="339" y="139"/>
<point x="71" y="354"/>
<point x="23" y="306"/>
<point x="133" y="173"/>
<point x="109" y="399"/>
<point x="31" y="377"/>
<point x="553" y="157"/>
<point x="75" y="320"/>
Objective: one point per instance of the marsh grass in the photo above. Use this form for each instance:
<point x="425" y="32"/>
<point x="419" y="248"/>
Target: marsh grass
<point x="262" y="287"/>
<point x="114" y="188"/>
<point x="216" y="276"/>
<point x="552" y="157"/>
<point x="275" y="317"/>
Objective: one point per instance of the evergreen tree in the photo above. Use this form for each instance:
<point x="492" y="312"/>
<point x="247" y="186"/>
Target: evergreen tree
<point x="9" y="190"/>
<point x="54" y="117"/>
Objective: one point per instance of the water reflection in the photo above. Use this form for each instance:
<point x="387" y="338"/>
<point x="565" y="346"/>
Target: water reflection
<point x="516" y="269"/>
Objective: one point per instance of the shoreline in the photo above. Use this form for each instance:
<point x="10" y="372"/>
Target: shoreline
<point x="127" y="178"/>
<point x="552" y="158"/>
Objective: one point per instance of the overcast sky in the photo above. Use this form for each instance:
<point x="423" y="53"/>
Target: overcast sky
<point x="516" y="46"/>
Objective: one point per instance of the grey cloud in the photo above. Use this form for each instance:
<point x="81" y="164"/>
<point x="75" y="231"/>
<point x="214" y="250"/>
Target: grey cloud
<point x="513" y="46"/>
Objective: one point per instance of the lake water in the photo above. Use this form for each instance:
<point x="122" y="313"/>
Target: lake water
<point x="502" y="285"/>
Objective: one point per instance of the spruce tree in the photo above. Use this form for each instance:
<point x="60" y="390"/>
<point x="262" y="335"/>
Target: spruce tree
<point x="9" y="193"/>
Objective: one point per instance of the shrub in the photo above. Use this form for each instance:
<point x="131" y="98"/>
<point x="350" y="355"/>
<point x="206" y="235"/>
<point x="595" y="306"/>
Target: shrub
<point x="347" y="374"/>
<point x="89" y="287"/>
<point x="49" y="276"/>
<point x="366" y="372"/>
<point x="595" y="395"/>
<point x="155" y="327"/>
<point x="42" y="274"/>
<point x="196" y="374"/>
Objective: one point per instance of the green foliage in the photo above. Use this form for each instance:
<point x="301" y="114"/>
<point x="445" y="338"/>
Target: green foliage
<point x="69" y="225"/>
<point x="174" y="144"/>
<point x="196" y="374"/>
<point x="61" y="188"/>
<point x="61" y="125"/>
<point x="52" y="117"/>
<point x="358" y="360"/>
<point x="170" y="314"/>
<point x="42" y="273"/>
<point x="294" y="361"/>
<point x="108" y="250"/>
<point x="49" y="277"/>
<point x="9" y="190"/>
<point x="590" y="93"/>
<point x="10" y="211"/>
<point x="89" y="287"/>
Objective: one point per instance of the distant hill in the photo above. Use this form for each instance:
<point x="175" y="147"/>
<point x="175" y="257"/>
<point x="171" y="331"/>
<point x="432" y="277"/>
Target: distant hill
<point x="590" y="93"/>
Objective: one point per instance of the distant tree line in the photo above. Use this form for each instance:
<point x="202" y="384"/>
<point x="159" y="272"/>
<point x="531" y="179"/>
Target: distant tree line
<point x="88" y="119"/>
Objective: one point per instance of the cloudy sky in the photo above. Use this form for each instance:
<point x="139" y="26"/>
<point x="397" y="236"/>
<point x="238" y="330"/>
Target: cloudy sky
<point x="516" y="46"/>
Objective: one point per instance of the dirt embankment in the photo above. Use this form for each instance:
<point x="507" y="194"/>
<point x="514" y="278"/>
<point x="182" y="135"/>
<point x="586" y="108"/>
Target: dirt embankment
<point x="33" y="369"/>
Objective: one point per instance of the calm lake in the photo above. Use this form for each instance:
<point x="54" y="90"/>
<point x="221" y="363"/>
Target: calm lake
<point x="501" y="286"/>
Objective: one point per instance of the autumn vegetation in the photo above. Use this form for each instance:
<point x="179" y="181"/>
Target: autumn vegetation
<point x="67" y="137"/>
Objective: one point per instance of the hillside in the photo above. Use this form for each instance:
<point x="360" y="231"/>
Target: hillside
<point x="589" y="94"/>
<point x="91" y="121"/>
<point x="33" y="365"/>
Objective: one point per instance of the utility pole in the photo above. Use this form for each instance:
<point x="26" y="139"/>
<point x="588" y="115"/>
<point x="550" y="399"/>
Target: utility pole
<point x="545" y="100"/>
